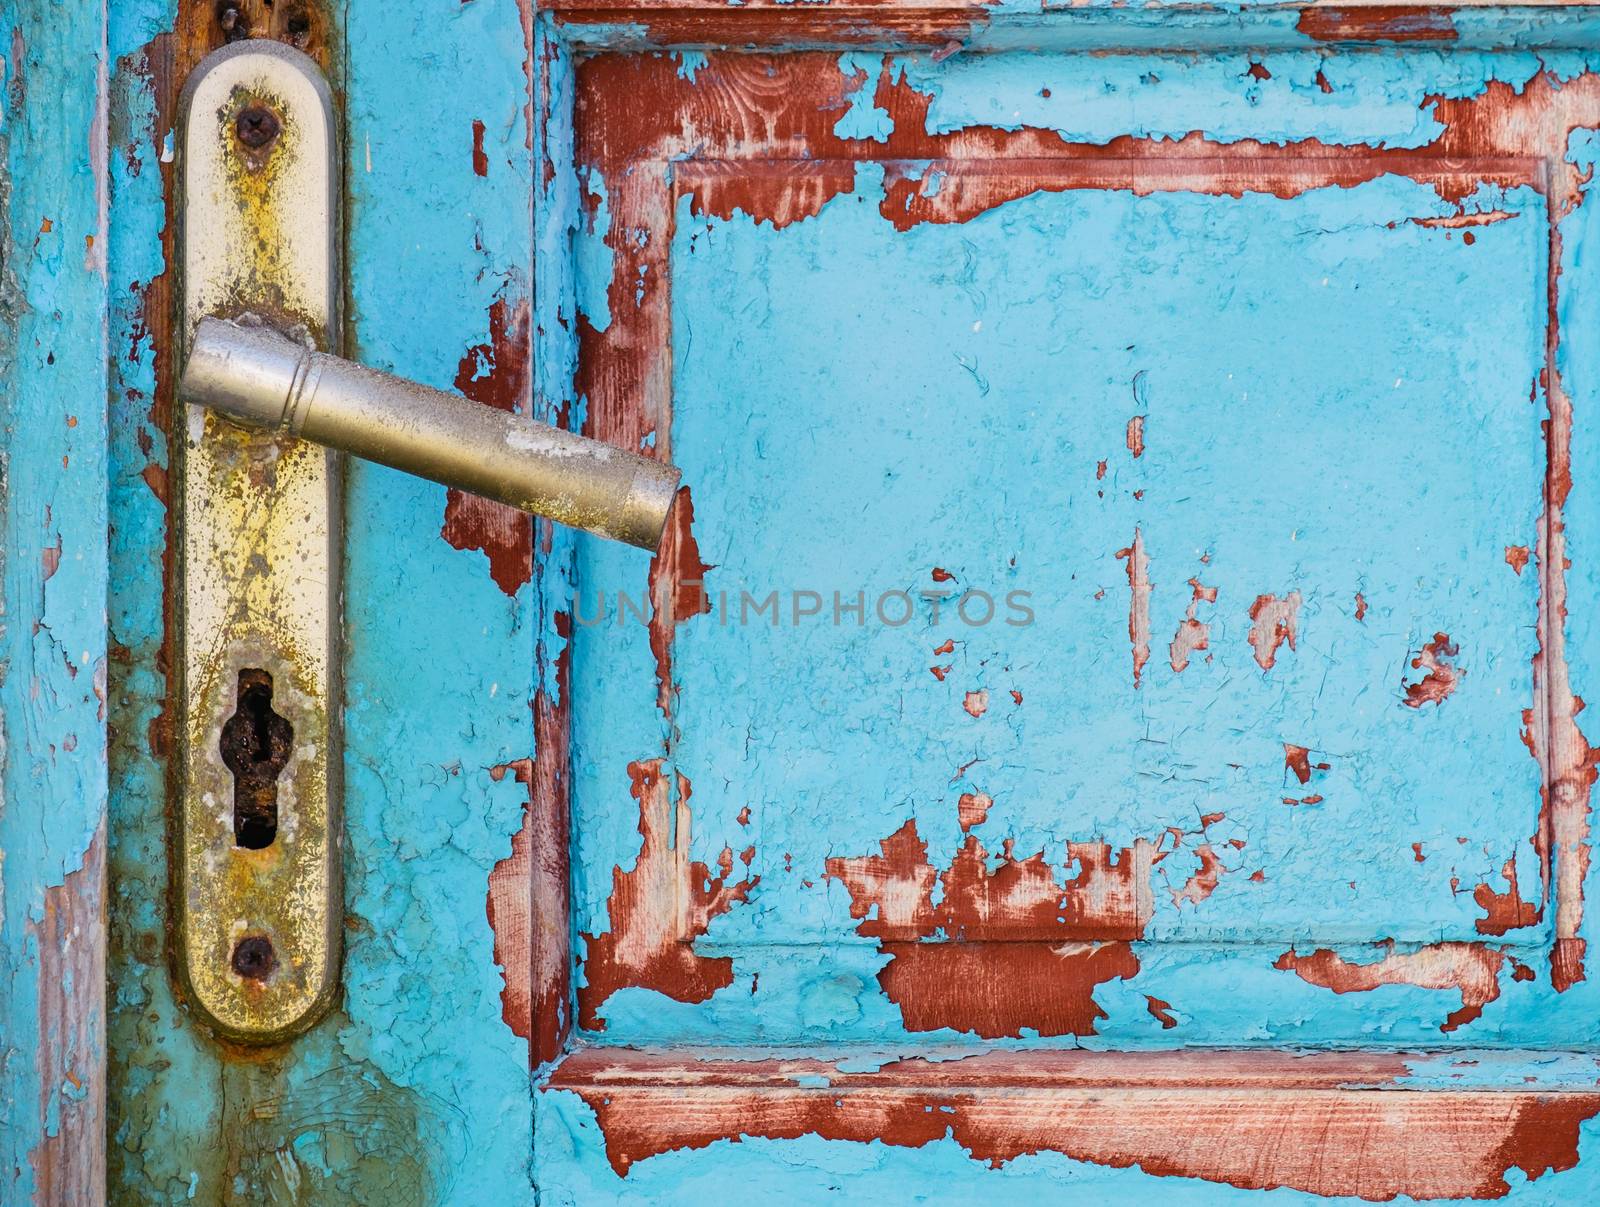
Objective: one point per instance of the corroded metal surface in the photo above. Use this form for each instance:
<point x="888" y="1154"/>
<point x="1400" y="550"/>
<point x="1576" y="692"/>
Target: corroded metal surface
<point x="263" y="379"/>
<point x="256" y="886"/>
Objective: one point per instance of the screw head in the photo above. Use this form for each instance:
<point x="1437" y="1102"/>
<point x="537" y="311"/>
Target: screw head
<point x="253" y="957"/>
<point x="256" y="126"/>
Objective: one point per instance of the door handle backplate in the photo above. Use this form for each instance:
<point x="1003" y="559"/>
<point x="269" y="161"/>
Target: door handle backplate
<point x="256" y="852"/>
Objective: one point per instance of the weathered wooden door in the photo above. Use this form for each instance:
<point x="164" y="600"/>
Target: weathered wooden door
<point x="1107" y="721"/>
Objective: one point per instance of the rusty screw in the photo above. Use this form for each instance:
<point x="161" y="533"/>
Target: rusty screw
<point x="253" y="957"/>
<point x="257" y="126"/>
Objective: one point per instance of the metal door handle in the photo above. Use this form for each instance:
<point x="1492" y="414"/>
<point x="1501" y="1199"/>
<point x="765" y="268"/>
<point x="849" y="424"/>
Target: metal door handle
<point x="262" y="378"/>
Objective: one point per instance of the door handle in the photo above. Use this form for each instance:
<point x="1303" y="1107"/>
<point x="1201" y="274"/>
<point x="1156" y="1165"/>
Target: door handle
<point x="263" y="379"/>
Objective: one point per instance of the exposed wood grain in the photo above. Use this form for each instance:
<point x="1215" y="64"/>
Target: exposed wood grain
<point x="53" y="487"/>
<point x="1244" y="1119"/>
<point x="70" y="1162"/>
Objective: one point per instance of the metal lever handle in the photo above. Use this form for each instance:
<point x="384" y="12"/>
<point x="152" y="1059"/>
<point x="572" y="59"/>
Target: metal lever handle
<point x="261" y="378"/>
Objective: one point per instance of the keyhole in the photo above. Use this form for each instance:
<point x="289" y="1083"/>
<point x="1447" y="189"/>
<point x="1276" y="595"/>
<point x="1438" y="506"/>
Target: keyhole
<point x="255" y="747"/>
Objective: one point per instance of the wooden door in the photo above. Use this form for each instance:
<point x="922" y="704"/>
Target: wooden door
<point x="1111" y="712"/>
<point x="1106" y="723"/>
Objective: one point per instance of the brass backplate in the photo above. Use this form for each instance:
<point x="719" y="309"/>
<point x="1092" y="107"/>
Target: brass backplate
<point x="256" y="887"/>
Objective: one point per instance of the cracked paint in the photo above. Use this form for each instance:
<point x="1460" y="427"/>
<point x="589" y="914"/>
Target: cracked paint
<point x="987" y="246"/>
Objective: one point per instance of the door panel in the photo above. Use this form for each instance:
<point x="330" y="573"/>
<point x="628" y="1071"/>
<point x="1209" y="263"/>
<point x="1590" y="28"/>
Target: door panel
<point x="1246" y="498"/>
<point x="1261" y="373"/>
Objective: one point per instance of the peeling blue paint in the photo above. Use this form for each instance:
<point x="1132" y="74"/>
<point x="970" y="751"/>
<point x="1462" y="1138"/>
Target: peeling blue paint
<point x="864" y="118"/>
<point x="52" y="574"/>
<point x="856" y="406"/>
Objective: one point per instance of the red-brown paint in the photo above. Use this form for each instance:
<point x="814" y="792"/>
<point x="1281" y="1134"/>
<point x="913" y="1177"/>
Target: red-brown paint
<point x="1135" y="436"/>
<point x="648" y="946"/>
<point x="1504" y="911"/>
<point x="635" y="116"/>
<point x="972" y="808"/>
<point x="1470" y="969"/>
<point x="975" y="703"/>
<point x="1361" y="606"/>
<point x="480" y="158"/>
<point x="1298" y="760"/>
<point x="549" y="827"/>
<point x="677" y="590"/>
<point x="1517" y="557"/>
<point x="1440" y="676"/>
<point x="974" y="987"/>
<point x="1160" y="1011"/>
<point x="1397" y="23"/>
<point x="510" y="910"/>
<point x="1273" y="621"/>
<point x="1139" y="585"/>
<point x="495" y="373"/>
<point x="1204" y="881"/>
<point x="1022" y="949"/>
<point x="1246" y="1116"/>
<point x="1193" y="635"/>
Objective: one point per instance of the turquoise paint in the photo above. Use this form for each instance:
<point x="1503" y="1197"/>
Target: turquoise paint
<point x="52" y="557"/>
<point x="443" y="664"/>
<point x="834" y="753"/>
<point x="863" y="119"/>
<point x="1263" y="25"/>
<point x="934" y="358"/>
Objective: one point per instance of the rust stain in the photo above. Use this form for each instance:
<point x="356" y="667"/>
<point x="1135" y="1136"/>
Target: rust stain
<point x="496" y="374"/>
<point x="1361" y="606"/>
<point x="648" y="945"/>
<point x="1504" y="911"/>
<point x="1138" y="602"/>
<point x="1517" y="557"/>
<point x="1440" y="676"/>
<point x="1272" y="622"/>
<point x="1470" y="969"/>
<point x="677" y="590"/>
<point x="1193" y="635"/>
